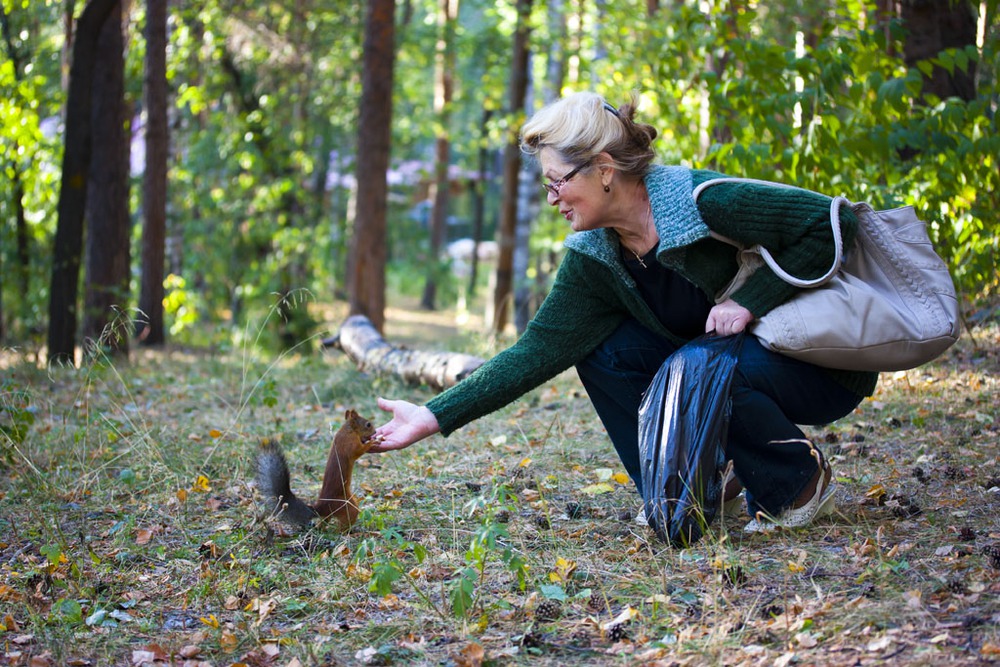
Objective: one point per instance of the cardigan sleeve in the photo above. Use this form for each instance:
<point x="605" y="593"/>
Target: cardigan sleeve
<point x="794" y="226"/>
<point x="573" y="320"/>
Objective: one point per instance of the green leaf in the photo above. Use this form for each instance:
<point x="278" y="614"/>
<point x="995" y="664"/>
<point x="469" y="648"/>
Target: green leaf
<point x="554" y="592"/>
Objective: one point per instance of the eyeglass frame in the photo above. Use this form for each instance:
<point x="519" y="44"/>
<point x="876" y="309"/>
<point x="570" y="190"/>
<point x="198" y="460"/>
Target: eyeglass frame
<point x="554" y="187"/>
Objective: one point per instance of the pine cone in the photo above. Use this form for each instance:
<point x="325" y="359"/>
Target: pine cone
<point x="617" y="632"/>
<point x="992" y="552"/>
<point x="548" y="610"/>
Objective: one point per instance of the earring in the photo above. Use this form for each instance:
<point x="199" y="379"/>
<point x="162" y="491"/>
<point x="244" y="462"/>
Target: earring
<point x="607" y="188"/>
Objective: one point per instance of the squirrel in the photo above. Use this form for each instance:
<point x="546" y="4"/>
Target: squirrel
<point x="352" y="440"/>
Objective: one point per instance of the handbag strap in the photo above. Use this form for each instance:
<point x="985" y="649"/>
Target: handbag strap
<point x="838" y="241"/>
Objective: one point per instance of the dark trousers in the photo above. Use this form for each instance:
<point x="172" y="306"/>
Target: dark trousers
<point x="771" y="394"/>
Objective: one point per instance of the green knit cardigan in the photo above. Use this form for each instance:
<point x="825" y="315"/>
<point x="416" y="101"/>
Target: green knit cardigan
<point x="593" y="292"/>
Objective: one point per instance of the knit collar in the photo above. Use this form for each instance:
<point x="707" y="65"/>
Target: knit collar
<point x="675" y="215"/>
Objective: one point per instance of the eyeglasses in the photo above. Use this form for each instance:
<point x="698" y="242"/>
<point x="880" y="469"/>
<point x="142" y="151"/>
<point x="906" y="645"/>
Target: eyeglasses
<point x="554" y="187"/>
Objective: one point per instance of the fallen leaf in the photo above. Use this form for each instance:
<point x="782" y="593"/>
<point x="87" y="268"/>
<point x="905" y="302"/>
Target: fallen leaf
<point x="876" y="493"/>
<point x="597" y="489"/>
<point x="624" y="617"/>
<point x="604" y="474"/>
<point x="228" y="640"/>
<point x="784" y="660"/>
<point x="470" y="656"/>
<point x="43" y="660"/>
<point x="189" y="651"/>
<point x="879" y="644"/>
<point x="365" y="655"/>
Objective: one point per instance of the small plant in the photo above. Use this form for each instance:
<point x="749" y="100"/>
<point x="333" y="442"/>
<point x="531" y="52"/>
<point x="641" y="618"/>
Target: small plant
<point x="490" y="538"/>
<point x="17" y="413"/>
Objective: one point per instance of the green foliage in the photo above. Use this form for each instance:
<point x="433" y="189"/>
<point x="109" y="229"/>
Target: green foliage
<point x="264" y="123"/>
<point x="17" y="413"/>
<point x="837" y="112"/>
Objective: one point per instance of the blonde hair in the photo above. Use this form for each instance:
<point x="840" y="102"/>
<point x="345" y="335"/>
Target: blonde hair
<point x="580" y="126"/>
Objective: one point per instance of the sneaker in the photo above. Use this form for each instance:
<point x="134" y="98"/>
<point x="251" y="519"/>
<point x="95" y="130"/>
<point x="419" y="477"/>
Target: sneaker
<point x="732" y="493"/>
<point x="822" y="503"/>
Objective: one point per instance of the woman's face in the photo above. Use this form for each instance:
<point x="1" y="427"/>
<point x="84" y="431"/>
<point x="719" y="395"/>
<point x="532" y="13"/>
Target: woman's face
<point x="578" y="196"/>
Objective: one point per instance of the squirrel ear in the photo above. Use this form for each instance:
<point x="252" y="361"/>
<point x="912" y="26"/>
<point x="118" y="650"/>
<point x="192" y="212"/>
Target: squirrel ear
<point x="350" y="414"/>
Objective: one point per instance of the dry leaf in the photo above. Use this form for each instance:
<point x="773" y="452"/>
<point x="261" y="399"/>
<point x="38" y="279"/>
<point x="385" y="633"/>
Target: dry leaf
<point x="627" y="615"/>
<point x="228" y="640"/>
<point x="784" y="660"/>
<point x="879" y="644"/>
<point x="43" y="660"/>
<point x="189" y="651"/>
<point x="470" y="656"/>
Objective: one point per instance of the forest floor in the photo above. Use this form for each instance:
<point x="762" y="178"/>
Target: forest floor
<point x="129" y="534"/>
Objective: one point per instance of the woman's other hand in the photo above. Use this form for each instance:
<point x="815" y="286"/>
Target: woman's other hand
<point x="728" y="318"/>
<point x="409" y="424"/>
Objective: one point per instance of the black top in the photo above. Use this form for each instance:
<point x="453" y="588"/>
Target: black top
<point x="678" y="304"/>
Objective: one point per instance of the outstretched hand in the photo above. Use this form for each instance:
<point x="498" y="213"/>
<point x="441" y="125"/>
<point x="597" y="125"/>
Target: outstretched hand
<point x="728" y="318"/>
<point x="409" y="424"/>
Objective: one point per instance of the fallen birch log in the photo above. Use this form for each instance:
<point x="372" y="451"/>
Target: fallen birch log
<point x="364" y="345"/>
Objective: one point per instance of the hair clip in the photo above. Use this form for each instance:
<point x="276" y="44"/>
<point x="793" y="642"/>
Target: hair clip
<point x="612" y="109"/>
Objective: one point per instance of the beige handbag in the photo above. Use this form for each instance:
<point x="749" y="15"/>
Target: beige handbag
<point x="886" y="304"/>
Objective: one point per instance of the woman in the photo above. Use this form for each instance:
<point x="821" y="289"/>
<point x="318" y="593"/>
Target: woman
<point x="638" y="281"/>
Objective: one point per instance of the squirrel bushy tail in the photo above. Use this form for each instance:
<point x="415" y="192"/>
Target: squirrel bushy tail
<point x="352" y="440"/>
<point x="274" y="484"/>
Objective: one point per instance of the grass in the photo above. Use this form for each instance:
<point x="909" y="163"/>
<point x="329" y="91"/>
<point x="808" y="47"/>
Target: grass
<point x="128" y="529"/>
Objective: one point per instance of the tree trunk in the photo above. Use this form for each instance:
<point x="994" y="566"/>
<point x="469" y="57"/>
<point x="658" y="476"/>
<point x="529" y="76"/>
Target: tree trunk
<point x="107" y="238"/>
<point x="68" y="243"/>
<point x="17" y="194"/>
<point x="444" y="74"/>
<point x="503" y="292"/>
<point x="479" y="198"/>
<point x="154" y="179"/>
<point x="367" y="285"/>
<point x="527" y="211"/>
<point x="936" y="25"/>
<point x="366" y="348"/>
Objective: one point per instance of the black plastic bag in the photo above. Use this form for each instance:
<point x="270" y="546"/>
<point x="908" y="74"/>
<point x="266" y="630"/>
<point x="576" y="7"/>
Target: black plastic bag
<point x="683" y="424"/>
